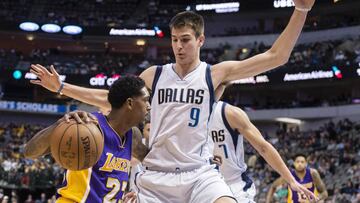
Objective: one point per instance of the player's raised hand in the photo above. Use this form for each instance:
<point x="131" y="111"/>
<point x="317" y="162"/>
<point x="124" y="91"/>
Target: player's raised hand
<point x="304" y="192"/>
<point x="306" y="5"/>
<point x="48" y="79"/>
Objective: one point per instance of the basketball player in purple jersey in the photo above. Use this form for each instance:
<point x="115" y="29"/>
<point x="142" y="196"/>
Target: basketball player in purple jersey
<point x="106" y="181"/>
<point x="308" y="177"/>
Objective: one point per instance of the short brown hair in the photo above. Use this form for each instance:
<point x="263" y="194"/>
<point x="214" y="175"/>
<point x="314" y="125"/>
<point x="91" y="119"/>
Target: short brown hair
<point x="188" y="18"/>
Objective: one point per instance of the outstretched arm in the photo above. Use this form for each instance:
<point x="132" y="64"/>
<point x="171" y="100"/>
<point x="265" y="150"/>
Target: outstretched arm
<point x="276" y="56"/>
<point x="239" y="121"/>
<point x="96" y="97"/>
<point x="51" y="81"/>
<point x="319" y="184"/>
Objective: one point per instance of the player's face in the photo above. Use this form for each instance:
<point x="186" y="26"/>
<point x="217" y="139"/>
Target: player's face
<point x="185" y="45"/>
<point x="142" y="105"/>
<point x="300" y="164"/>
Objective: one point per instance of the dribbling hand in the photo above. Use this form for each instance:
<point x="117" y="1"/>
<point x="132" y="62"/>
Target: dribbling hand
<point x="79" y="117"/>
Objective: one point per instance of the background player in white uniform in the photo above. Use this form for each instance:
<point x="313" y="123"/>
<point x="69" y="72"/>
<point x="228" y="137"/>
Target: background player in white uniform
<point x="227" y="127"/>
<point x="169" y="152"/>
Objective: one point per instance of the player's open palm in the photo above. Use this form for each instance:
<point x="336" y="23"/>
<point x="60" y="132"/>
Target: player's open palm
<point x="303" y="192"/>
<point x="304" y="4"/>
<point x="48" y="79"/>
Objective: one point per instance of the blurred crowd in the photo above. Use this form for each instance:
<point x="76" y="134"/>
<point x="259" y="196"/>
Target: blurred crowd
<point x="136" y="13"/>
<point x="305" y="56"/>
<point x="18" y="173"/>
<point x="333" y="149"/>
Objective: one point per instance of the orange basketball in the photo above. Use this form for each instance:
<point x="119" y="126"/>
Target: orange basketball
<point x="76" y="146"/>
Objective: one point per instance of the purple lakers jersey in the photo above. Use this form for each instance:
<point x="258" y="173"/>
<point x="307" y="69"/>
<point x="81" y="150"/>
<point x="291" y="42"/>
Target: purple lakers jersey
<point x="106" y="181"/>
<point x="307" y="181"/>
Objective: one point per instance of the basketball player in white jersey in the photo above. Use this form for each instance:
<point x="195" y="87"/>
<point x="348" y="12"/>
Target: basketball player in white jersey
<point x="228" y="126"/>
<point x="183" y="93"/>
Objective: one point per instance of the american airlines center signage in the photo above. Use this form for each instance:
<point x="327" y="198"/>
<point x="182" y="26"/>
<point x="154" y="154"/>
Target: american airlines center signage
<point x="314" y="75"/>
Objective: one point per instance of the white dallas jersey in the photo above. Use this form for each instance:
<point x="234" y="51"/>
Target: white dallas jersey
<point x="180" y="109"/>
<point x="228" y="144"/>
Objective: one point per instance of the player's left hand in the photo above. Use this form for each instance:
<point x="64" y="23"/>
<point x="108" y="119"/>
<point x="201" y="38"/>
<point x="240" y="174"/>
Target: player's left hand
<point x="130" y="197"/>
<point x="303" y="191"/>
<point x="217" y="160"/>
<point x="304" y="4"/>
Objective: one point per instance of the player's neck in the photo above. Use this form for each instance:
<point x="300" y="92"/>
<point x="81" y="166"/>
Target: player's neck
<point x="300" y="174"/>
<point x="121" y="126"/>
<point x="183" y="69"/>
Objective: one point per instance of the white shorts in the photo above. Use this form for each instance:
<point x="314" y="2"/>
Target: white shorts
<point x="203" y="185"/>
<point x="244" y="192"/>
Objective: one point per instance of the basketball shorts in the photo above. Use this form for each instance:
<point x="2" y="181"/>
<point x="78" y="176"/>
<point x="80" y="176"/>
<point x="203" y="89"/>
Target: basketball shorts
<point x="243" y="192"/>
<point x="202" y="185"/>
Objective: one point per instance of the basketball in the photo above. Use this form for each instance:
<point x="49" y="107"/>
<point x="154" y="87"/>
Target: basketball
<point x="76" y="146"/>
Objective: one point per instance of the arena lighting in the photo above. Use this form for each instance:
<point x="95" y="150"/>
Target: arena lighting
<point x="17" y="74"/>
<point x="283" y="3"/>
<point x="140" y="42"/>
<point x="51" y="28"/>
<point x="358" y="71"/>
<point x="72" y="29"/>
<point x="219" y="7"/>
<point x="29" y="26"/>
<point x="30" y="37"/>
<point x="289" y="120"/>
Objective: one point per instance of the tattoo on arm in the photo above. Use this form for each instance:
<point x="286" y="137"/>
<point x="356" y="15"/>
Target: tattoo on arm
<point x="139" y="150"/>
<point x="39" y="145"/>
<point x="319" y="184"/>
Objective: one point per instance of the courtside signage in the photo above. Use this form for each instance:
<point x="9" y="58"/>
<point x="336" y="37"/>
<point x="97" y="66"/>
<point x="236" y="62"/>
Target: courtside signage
<point x="253" y="80"/>
<point x="102" y="80"/>
<point x="33" y="107"/>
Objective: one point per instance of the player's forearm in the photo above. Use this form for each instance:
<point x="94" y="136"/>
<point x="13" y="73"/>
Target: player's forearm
<point x="323" y="195"/>
<point x="95" y="97"/>
<point x="285" y="43"/>
<point x="274" y="159"/>
<point x="39" y="145"/>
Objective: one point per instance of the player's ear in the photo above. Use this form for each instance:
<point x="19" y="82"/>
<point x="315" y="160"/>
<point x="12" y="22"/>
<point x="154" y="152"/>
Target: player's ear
<point x="130" y="102"/>
<point x="201" y="40"/>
